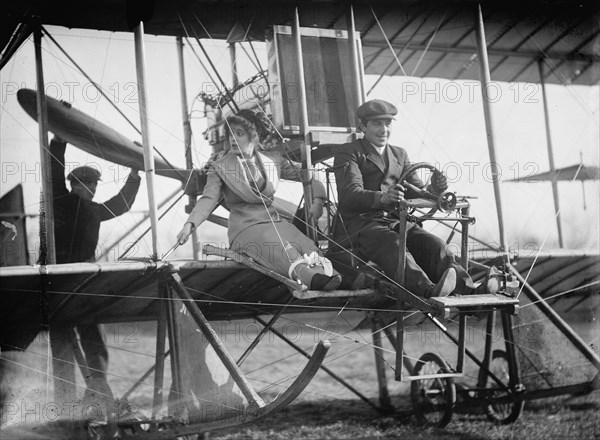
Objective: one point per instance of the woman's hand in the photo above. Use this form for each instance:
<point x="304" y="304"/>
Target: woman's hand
<point x="185" y="233"/>
<point x="316" y="210"/>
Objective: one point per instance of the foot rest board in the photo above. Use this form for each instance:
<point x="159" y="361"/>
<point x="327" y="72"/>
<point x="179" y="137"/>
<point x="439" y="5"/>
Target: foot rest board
<point x="474" y="301"/>
<point x="243" y="259"/>
<point x="431" y="376"/>
<point x="312" y="294"/>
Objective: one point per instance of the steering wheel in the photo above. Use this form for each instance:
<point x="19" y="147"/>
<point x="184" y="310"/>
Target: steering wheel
<point x="444" y="202"/>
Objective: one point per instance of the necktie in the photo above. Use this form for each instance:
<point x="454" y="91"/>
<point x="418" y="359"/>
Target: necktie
<point x="253" y="173"/>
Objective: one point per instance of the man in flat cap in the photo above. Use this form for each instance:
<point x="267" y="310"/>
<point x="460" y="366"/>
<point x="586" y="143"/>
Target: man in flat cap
<point x="77" y="222"/>
<point x="77" y="218"/>
<point x="366" y="172"/>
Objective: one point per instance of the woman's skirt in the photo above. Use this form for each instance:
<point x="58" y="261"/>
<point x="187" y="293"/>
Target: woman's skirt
<point x="274" y="245"/>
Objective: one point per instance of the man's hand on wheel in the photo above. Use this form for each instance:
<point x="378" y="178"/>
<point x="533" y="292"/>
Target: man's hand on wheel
<point x="393" y="195"/>
<point x="439" y="183"/>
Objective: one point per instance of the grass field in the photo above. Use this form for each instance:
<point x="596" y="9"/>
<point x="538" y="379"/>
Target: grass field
<point x="326" y="410"/>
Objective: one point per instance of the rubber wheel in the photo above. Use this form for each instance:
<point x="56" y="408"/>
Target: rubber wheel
<point x="433" y="399"/>
<point x="506" y="412"/>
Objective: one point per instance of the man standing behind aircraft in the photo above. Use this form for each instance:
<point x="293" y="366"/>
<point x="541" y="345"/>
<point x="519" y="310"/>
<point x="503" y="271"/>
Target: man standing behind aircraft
<point x="366" y="172"/>
<point x="76" y="228"/>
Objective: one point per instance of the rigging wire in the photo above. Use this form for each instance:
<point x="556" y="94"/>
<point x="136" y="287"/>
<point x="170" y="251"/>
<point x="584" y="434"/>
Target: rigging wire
<point x="256" y="190"/>
<point x="281" y="137"/>
<point x="64" y="165"/>
<point x="543" y="242"/>
<point x="557" y="295"/>
<point x="363" y="338"/>
<point x="532" y="266"/>
<point x="437" y="28"/>
<point x="190" y="396"/>
<point x="104" y="95"/>
<point x="388" y="42"/>
<point x="99" y="88"/>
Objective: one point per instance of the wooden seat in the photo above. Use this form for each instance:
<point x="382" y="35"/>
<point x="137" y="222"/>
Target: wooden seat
<point x="247" y="261"/>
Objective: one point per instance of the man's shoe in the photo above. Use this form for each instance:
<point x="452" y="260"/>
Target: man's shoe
<point x="490" y="284"/>
<point x="446" y="284"/>
<point x="324" y="282"/>
<point x="359" y="281"/>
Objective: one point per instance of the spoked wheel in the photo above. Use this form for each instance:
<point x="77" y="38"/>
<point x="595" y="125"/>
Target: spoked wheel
<point x="433" y="398"/>
<point x="501" y="412"/>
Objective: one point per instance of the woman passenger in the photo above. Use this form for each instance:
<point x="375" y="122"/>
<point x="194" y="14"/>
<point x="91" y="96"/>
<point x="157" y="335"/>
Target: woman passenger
<point x="247" y="177"/>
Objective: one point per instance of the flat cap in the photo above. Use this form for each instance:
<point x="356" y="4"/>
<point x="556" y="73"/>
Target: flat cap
<point x="84" y="174"/>
<point x="376" y="109"/>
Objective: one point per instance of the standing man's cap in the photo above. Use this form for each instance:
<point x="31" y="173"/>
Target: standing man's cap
<point x="84" y="174"/>
<point x="376" y="109"/>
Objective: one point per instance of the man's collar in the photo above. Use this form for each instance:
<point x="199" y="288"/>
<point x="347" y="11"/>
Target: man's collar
<point x="378" y="150"/>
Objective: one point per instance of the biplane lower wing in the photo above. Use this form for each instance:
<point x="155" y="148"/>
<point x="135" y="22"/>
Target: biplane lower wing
<point x="80" y="293"/>
<point x="565" y="278"/>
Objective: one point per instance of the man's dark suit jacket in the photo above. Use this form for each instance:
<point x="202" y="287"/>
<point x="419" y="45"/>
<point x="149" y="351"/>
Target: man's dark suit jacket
<point x="361" y="178"/>
<point x="77" y="221"/>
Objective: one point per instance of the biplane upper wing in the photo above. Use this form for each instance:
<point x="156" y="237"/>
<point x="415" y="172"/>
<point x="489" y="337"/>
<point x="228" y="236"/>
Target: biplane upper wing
<point x="428" y="40"/>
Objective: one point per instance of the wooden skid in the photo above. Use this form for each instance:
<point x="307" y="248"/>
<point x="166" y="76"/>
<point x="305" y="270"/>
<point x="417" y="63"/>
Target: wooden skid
<point x="169" y="429"/>
<point x="255" y="409"/>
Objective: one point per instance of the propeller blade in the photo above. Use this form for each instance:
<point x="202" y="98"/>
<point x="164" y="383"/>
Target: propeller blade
<point x="94" y="137"/>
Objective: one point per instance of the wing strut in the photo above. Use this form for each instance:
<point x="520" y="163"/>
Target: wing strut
<point x="140" y="63"/>
<point x="484" y="73"/>
<point x="550" y="153"/>
<point x="187" y="133"/>
<point x="304" y="127"/>
<point x="48" y="255"/>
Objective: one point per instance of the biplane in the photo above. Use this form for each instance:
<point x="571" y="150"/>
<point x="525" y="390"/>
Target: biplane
<point x="318" y="54"/>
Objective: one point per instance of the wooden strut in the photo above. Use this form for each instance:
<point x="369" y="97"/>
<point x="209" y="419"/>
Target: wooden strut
<point x="384" y="395"/>
<point x="169" y="428"/>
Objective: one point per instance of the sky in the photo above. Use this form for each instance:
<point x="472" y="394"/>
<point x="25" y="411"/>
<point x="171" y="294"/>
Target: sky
<point x="439" y="121"/>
